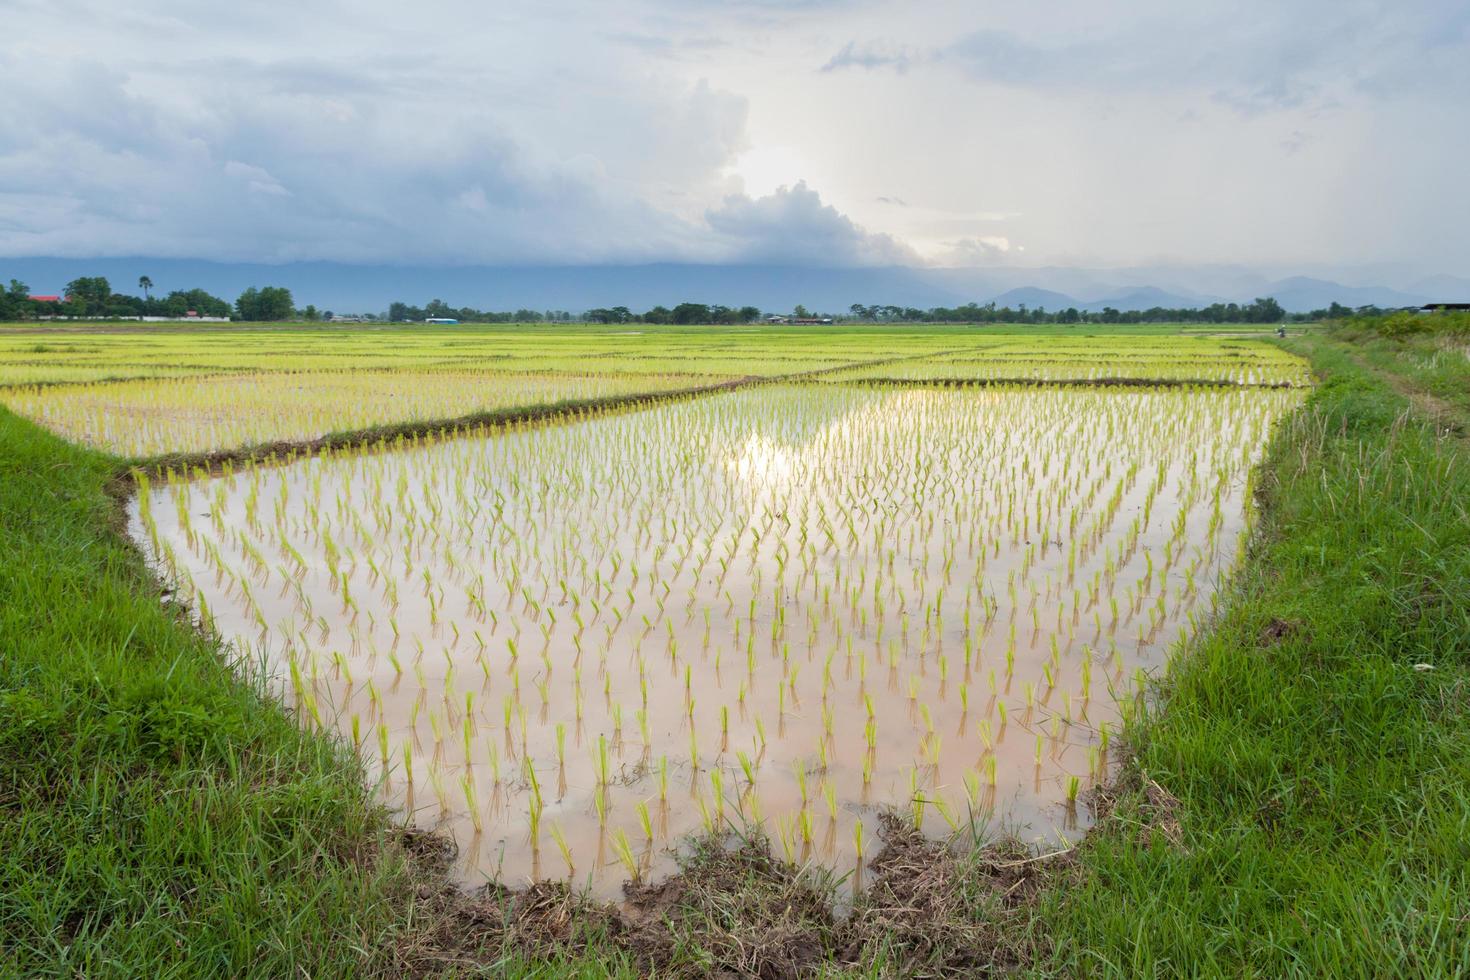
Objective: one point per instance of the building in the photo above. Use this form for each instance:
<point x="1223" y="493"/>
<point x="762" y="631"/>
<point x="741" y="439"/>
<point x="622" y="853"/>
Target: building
<point x="440" y="319"/>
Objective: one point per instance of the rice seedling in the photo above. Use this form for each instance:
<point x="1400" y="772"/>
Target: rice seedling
<point x="624" y="851"/>
<point x="564" y="848"/>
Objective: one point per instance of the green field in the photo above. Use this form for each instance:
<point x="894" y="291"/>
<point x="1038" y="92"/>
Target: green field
<point x="144" y="392"/>
<point x="944" y="509"/>
<point x="32" y="354"/>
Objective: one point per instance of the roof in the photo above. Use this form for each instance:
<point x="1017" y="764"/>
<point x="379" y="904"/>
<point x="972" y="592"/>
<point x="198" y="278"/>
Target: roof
<point x="45" y="299"/>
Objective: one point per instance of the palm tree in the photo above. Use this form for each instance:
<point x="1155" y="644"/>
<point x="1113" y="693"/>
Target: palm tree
<point x="145" y="284"/>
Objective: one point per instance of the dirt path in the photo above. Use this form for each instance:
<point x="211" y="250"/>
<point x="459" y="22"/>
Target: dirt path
<point x="1448" y="419"/>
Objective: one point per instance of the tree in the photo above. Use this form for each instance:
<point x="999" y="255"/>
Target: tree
<point x="1265" y="310"/>
<point x="180" y="302"/>
<point x="15" y="302"/>
<point x="800" y="312"/>
<point x="88" y="295"/>
<point x="268" y="304"/>
<point x="145" y="284"/>
<point x="310" y="313"/>
<point x="690" y="313"/>
<point x="749" y="314"/>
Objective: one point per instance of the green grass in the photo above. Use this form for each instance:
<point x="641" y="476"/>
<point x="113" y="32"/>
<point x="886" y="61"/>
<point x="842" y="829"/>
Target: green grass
<point x="1322" y="781"/>
<point x="1436" y="366"/>
<point x="157" y="817"/>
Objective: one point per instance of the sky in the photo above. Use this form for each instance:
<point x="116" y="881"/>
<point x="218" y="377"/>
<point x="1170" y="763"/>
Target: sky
<point x="1284" y="136"/>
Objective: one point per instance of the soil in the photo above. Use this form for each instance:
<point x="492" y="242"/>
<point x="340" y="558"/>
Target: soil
<point x="929" y="909"/>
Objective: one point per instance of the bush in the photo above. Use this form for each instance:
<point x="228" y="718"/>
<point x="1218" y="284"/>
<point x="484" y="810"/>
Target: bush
<point x="1407" y="323"/>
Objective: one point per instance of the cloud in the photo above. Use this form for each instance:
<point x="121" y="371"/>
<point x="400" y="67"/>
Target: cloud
<point x="793" y="225"/>
<point x="869" y="56"/>
<point x="1312" y="55"/>
<point x="986" y="250"/>
<point x="297" y="161"/>
<point x="255" y="178"/>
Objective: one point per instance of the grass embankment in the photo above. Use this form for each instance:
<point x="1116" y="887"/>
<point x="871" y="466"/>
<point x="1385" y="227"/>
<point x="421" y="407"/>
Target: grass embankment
<point x="157" y="816"/>
<point x="1299" y="801"/>
<point x="1425" y="357"/>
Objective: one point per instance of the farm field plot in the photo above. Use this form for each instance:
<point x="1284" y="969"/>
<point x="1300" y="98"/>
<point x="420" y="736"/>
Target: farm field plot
<point x="202" y="413"/>
<point x="789" y="605"/>
<point x="53" y="355"/>
<point x="1240" y="362"/>
<point x="230" y="387"/>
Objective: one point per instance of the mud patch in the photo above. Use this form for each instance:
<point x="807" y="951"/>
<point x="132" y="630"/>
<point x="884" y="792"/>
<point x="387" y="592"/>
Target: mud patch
<point x="734" y="910"/>
<point x="1135" y="799"/>
<point x="1277" y="632"/>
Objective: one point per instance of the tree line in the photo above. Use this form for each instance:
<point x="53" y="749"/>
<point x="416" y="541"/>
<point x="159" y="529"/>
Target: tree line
<point x="94" y="296"/>
<point x="1262" y="310"/>
<point x="437" y="309"/>
<point x="683" y="313"/>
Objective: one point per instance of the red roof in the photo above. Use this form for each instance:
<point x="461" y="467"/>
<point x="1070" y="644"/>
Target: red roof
<point x="46" y="299"/>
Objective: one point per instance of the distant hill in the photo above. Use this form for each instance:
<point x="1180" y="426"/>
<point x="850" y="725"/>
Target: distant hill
<point x="1145" y="298"/>
<point x="1034" y="297"/>
<point x="1300" y="294"/>
<point x="360" y="288"/>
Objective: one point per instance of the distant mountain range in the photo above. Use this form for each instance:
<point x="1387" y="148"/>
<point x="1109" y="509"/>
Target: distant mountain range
<point x="353" y="288"/>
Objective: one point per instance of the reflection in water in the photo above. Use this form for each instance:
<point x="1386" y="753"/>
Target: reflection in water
<point x="783" y="607"/>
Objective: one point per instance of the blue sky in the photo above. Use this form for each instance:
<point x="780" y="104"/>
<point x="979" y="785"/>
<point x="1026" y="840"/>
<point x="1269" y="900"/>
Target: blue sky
<point x="1305" y="135"/>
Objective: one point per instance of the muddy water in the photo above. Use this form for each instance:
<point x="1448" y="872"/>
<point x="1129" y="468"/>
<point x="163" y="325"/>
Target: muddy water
<point x="792" y="606"/>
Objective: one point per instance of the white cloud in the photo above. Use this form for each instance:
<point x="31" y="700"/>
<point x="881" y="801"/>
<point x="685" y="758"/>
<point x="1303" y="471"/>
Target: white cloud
<point x="255" y="178"/>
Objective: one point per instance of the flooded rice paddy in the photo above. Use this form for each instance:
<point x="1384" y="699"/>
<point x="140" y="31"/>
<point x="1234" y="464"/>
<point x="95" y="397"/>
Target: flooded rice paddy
<point x="790" y="606"/>
<point x="205" y="412"/>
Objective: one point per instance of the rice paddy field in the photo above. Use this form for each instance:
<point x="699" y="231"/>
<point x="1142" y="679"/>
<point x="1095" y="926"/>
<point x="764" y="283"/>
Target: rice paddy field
<point x="648" y="588"/>
<point x="149" y="394"/>
<point x="1183" y="360"/>
<point x="800" y="605"/>
<point x="790" y="606"/>
<point x="200" y="413"/>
